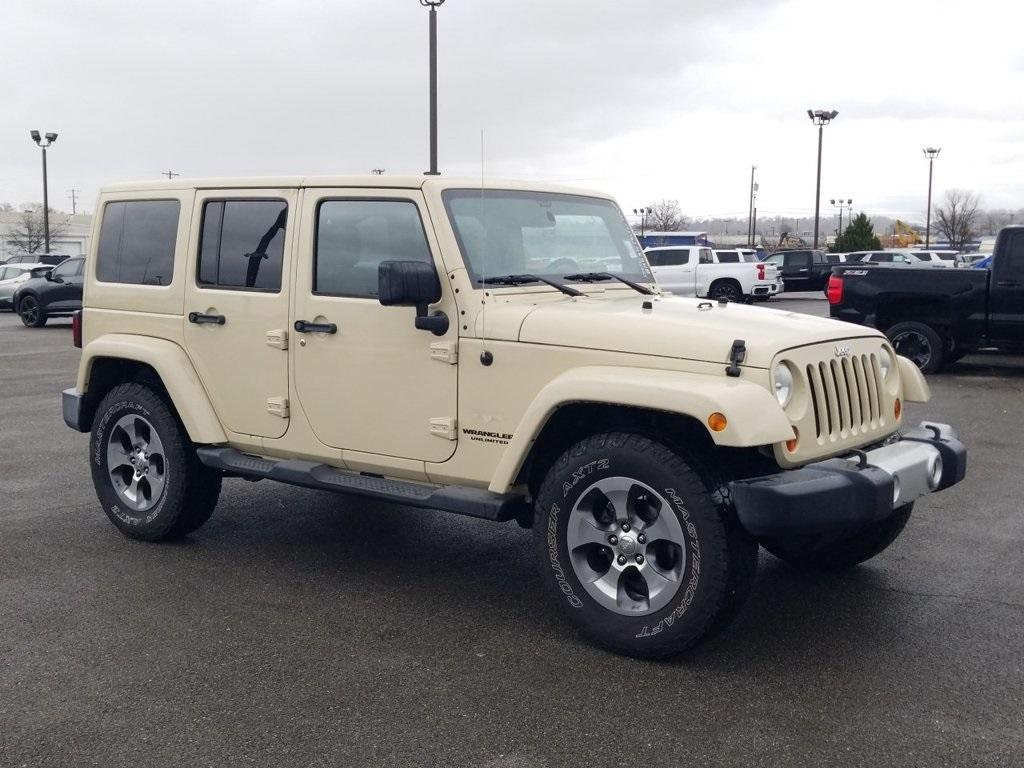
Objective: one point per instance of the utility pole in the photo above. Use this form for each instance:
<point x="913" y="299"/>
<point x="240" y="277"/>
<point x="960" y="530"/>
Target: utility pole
<point x="169" y="174"/>
<point x="750" y="215"/>
<point x="73" y="194"/>
<point x="821" y="118"/>
<point x="931" y="153"/>
<point x="433" y="5"/>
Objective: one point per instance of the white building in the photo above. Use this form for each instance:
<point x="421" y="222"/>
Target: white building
<point x="74" y="241"/>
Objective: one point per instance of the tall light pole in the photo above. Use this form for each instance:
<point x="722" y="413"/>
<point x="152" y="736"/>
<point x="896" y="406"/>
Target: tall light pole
<point x="841" y="204"/>
<point x="433" y="5"/>
<point x="931" y="153"/>
<point x="821" y="118"/>
<point x="642" y="213"/>
<point x="750" y="217"/>
<point x="50" y="138"/>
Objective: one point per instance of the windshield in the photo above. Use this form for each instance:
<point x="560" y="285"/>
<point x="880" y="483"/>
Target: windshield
<point x="504" y="232"/>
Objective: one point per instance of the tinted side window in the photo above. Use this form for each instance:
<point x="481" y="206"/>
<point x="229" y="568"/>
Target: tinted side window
<point x="1011" y="259"/>
<point x="798" y="260"/>
<point x="727" y="257"/>
<point x="137" y="240"/>
<point x="706" y="256"/>
<point x="68" y="269"/>
<point x="354" y="236"/>
<point x="242" y="244"/>
<point x="668" y="258"/>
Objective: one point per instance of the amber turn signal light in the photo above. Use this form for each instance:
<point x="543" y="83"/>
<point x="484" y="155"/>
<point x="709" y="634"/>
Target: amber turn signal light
<point x="717" y="421"/>
<point x="792" y="442"/>
<point x="897" y="408"/>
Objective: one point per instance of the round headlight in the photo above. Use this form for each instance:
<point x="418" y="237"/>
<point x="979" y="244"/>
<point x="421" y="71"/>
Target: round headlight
<point x="885" y="361"/>
<point x="782" y="380"/>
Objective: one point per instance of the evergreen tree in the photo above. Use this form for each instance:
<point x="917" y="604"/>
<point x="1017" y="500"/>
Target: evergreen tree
<point x="858" y="236"/>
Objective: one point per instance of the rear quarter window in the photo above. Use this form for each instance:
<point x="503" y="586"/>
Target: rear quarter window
<point x="137" y="242"/>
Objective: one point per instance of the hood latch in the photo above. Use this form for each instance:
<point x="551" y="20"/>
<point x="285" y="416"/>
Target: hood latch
<point x="737" y="355"/>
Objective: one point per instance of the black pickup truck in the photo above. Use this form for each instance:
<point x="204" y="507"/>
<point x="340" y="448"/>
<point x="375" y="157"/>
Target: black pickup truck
<point x="936" y="316"/>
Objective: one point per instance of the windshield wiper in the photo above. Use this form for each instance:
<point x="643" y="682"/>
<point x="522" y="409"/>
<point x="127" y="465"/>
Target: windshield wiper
<point x="528" y="278"/>
<point x="593" y="277"/>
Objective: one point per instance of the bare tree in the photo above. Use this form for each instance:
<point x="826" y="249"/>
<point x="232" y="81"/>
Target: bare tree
<point x="957" y="216"/>
<point x="666" y="216"/>
<point x="28" y="236"/>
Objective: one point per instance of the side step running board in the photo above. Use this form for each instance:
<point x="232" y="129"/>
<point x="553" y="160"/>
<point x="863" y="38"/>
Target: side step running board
<point x="474" y="502"/>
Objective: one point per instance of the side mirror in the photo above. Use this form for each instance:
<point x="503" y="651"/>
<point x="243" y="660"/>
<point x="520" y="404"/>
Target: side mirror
<point x="412" y="284"/>
<point x="53" y="278"/>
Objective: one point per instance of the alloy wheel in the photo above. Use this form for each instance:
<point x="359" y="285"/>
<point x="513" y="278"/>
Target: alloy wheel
<point x="626" y="546"/>
<point x="136" y="462"/>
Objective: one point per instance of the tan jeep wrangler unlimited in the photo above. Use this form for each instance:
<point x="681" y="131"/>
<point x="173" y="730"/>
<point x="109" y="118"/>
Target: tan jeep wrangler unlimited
<point x="501" y="352"/>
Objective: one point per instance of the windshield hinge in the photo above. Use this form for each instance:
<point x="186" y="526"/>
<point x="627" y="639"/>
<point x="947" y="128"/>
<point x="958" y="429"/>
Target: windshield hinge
<point x="444" y="352"/>
<point x="737" y="355"/>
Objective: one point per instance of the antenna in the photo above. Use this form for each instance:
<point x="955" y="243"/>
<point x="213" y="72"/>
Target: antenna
<point x="486" y="358"/>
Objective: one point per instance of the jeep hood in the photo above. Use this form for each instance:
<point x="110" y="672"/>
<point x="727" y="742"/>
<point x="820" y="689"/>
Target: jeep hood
<point x="674" y="327"/>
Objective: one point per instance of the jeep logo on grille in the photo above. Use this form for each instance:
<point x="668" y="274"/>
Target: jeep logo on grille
<point x="842" y="350"/>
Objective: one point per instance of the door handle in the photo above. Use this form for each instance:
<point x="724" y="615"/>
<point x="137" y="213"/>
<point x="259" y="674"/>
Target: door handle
<point x="1008" y="283"/>
<point x="200" y="319"/>
<point x="303" y="326"/>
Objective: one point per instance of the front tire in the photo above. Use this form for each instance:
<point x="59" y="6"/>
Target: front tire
<point x="31" y="312"/>
<point x="846" y="552"/>
<point x="635" y="549"/>
<point x="144" y="468"/>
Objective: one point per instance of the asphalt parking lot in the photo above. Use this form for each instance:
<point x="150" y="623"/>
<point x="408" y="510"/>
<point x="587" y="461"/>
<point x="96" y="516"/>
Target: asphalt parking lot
<point x="298" y="628"/>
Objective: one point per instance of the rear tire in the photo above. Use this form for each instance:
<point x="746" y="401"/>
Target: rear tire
<point x="31" y="312"/>
<point x="144" y="468"/>
<point x="653" y="597"/>
<point x="920" y="343"/>
<point x="726" y="290"/>
<point x="846" y="552"/>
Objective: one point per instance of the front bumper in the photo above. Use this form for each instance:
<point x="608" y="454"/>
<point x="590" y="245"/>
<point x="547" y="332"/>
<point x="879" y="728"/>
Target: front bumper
<point x="841" y="495"/>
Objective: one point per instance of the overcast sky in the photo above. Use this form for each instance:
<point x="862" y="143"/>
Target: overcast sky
<point x="647" y="99"/>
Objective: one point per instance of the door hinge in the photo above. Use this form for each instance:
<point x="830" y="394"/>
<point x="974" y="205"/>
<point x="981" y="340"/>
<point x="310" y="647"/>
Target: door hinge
<point x="443" y="426"/>
<point x="444" y="352"/>
<point x="277" y="338"/>
<point x="278" y="406"/>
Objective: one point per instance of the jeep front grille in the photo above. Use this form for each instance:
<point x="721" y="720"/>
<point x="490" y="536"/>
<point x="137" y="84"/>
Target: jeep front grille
<point x="840" y="399"/>
<point x="846" y="395"/>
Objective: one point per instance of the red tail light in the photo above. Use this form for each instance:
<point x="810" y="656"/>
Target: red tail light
<point x="76" y="329"/>
<point x="835" y="290"/>
<point x="760" y="271"/>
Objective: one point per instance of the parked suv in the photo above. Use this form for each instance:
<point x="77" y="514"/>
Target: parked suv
<point x="58" y="293"/>
<point x="381" y="337"/>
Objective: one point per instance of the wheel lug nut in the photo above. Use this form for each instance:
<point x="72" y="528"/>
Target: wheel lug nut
<point x="613" y="539"/>
<point x="625" y="526"/>
<point x="639" y="559"/>
<point x="642" y="539"/>
<point x="622" y="559"/>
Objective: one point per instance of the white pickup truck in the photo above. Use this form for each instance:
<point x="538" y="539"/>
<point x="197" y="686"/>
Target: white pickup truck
<point x="695" y="270"/>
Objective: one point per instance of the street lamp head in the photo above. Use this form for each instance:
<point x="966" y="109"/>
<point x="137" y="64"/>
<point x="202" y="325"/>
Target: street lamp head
<point x="35" y="136"/>
<point x="931" y="152"/>
<point x="822" y="116"/>
<point x="431" y="3"/>
<point x="834" y="202"/>
<point x="51" y="137"/>
<point x="850" y="201"/>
